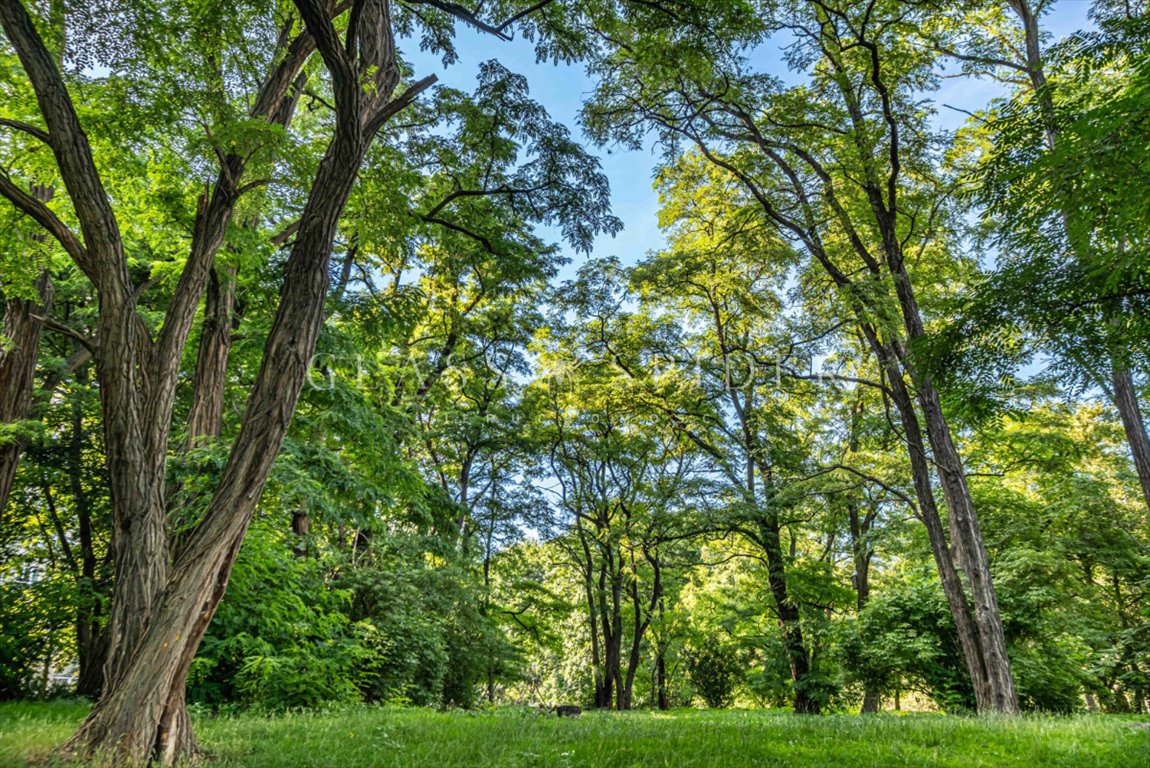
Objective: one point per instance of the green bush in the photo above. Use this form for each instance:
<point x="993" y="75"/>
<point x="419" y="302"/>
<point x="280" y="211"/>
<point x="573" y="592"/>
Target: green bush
<point x="715" y="672"/>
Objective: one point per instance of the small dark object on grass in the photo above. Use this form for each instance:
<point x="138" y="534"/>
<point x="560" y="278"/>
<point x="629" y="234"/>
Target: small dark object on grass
<point x="568" y="711"/>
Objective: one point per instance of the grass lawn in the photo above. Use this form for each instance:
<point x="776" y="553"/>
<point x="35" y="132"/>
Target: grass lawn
<point x="413" y="737"/>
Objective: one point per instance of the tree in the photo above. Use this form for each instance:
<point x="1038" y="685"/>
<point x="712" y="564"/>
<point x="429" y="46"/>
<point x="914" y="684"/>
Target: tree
<point x="1059" y="184"/>
<point x="620" y="484"/>
<point x="164" y="600"/>
<point x="841" y="167"/>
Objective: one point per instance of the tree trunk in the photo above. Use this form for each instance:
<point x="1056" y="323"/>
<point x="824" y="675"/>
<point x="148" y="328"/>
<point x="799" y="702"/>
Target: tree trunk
<point x="205" y="418"/>
<point x="21" y="331"/>
<point x="999" y="695"/>
<point x="965" y="627"/>
<point x="1126" y="400"/>
<point x="612" y="623"/>
<point x="91" y="639"/>
<point x="142" y="716"/>
<point x="788" y="611"/>
<point x="602" y="696"/>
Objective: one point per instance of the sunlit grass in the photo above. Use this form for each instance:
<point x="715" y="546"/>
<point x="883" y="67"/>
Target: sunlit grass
<point x="683" y="739"/>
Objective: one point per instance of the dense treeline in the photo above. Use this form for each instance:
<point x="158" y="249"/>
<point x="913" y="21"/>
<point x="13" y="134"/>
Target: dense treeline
<point x="279" y="317"/>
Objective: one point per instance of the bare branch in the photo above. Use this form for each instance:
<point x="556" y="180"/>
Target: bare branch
<point x="31" y="130"/>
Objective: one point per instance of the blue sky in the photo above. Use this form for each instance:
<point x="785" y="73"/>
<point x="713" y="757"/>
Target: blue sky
<point x="562" y="88"/>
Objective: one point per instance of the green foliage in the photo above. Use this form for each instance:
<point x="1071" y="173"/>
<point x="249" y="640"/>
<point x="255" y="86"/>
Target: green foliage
<point x="715" y="671"/>
<point x="284" y="639"/>
<point x="905" y="639"/>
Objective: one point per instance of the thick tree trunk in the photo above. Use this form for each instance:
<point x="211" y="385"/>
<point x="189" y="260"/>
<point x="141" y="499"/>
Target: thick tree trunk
<point x="159" y="614"/>
<point x="998" y="693"/>
<point x="142" y="716"/>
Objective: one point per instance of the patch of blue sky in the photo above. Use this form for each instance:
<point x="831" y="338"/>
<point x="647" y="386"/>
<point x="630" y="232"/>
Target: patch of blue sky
<point x="562" y="89"/>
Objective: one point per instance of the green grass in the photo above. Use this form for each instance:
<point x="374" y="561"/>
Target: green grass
<point x="683" y="739"/>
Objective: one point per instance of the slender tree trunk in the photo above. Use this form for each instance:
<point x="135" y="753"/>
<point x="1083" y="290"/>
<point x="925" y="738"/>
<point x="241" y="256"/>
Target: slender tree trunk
<point x="1126" y="400"/>
<point x="1000" y="695"/>
<point x="663" y="698"/>
<point x="612" y="621"/>
<point x="602" y="699"/>
<point x="91" y="639"/>
<point x="968" y="637"/>
<point x="861" y="555"/>
<point x="789" y="618"/>
<point x="21" y="331"/>
<point x="205" y="419"/>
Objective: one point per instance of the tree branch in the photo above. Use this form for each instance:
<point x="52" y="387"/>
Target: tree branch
<point x="31" y="130"/>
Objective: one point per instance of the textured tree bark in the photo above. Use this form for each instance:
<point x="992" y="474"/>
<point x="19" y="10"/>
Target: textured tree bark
<point x="143" y="717"/>
<point x="164" y="611"/>
<point x="21" y="332"/>
<point x="882" y="195"/>
<point x="956" y="599"/>
<point x="1000" y="695"/>
<point x="205" y="418"/>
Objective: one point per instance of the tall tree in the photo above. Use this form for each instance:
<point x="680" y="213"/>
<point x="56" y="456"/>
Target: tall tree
<point x="841" y="166"/>
<point x="1059" y="185"/>
<point x="164" y="600"/>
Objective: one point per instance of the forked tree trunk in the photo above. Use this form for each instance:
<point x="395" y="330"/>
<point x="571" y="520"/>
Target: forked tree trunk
<point x="998" y="694"/>
<point x="142" y="716"/>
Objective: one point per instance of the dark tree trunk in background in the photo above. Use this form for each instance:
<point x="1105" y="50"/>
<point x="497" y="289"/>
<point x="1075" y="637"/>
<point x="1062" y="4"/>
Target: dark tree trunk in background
<point x="663" y="698"/>
<point x="91" y="639"/>
<point x="205" y="419"/>
<point x="788" y="612"/>
<point x="861" y="553"/>
<point x="21" y="332"/>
